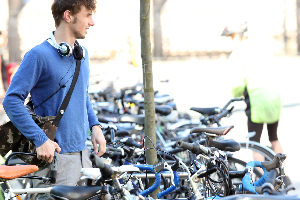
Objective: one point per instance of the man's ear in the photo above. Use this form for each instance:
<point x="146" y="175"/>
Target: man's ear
<point x="68" y="16"/>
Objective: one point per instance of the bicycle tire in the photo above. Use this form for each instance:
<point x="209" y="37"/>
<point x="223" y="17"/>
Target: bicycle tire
<point x="252" y="146"/>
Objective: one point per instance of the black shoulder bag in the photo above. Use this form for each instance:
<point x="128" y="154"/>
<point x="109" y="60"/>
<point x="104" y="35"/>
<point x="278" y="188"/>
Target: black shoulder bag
<point x="12" y="139"/>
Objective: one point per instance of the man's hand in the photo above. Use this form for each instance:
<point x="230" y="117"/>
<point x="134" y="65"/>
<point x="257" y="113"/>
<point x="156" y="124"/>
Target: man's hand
<point x="98" y="139"/>
<point x="46" y="151"/>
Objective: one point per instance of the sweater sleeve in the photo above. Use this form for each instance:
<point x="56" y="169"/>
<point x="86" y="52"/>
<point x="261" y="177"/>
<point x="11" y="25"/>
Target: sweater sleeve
<point x="23" y="81"/>
<point x="93" y="119"/>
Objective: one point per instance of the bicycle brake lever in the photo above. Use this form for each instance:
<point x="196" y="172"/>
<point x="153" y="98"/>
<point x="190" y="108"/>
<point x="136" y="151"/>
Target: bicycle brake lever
<point x="168" y="167"/>
<point x="158" y="167"/>
<point x="53" y="169"/>
<point x="164" y="165"/>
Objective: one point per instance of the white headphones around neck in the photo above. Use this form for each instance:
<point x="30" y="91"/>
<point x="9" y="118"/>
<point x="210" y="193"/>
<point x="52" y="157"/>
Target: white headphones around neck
<point x="64" y="49"/>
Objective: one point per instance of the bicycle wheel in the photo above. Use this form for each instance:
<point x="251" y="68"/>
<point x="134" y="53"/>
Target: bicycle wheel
<point x="248" y="148"/>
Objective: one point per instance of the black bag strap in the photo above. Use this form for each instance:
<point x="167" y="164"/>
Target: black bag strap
<point x="67" y="98"/>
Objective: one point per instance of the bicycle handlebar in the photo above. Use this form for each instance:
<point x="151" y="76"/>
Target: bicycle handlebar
<point x="156" y="182"/>
<point x="194" y="148"/>
<point x="232" y="100"/>
<point x="105" y="169"/>
<point x="171" y="188"/>
<point x="275" y="163"/>
<point x="266" y="166"/>
<point x="223" y="112"/>
<point x="130" y="142"/>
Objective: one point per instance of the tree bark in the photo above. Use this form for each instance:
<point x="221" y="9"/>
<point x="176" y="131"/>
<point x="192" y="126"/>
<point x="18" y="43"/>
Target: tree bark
<point x="157" y="30"/>
<point x="151" y="156"/>
<point x="150" y="137"/>
<point x="298" y="26"/>
<point x="14" y="50"/>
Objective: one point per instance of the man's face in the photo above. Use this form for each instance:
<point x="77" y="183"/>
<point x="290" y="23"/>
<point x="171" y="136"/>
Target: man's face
<point x="81" y="22"/>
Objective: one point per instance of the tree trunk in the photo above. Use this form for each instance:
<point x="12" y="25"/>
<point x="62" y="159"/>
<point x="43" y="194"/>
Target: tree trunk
<point x="150" y="137"/>
<point x="298" y="27"/>
<point x="14" y="50"/>
<point x="157" y="35"/>
<point x="148" y="81"/>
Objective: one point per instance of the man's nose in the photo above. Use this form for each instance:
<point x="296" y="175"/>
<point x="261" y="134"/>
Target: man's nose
<point x="92" y="22"/>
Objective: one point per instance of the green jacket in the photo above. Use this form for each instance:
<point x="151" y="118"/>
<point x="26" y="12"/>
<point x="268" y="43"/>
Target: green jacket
<point x="257" y="71"/>
<point x="265" y="104"/>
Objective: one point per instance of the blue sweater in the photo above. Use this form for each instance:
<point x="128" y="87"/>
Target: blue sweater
<point x="43" y="72"/>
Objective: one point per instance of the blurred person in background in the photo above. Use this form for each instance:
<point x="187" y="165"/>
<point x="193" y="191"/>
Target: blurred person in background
<point x="2" y="67"/>
<point x="11" y="69"/>
<point x="255" y="78"/>
<point x="48" y="69"/>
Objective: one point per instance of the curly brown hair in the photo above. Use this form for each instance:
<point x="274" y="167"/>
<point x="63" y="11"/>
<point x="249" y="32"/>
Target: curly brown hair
<point x="60" y="6"/>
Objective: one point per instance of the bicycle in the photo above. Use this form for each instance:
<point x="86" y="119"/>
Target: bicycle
<point x="207" y="154"/>
<point x="213" y="115"/>
<point x="112" y="180"/>
<point x="8" y="173"/>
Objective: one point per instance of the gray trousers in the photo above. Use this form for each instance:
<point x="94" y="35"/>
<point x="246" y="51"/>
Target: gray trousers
<point x="68" y="171"/>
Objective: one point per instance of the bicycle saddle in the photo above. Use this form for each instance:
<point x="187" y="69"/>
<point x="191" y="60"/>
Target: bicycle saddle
<point x="163" y="110"/>
<point x="11" y="172"/>
<point x="75" y="192"/>
<point x="225" y="145"/>
<point x="213" y="130"/>
<point x="206" y="111"/>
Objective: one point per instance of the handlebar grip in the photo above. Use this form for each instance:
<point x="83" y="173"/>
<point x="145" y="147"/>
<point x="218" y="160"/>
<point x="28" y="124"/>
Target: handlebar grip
<point x="269" y="181"/>
<point x="113" y="155"/>
<point x="130" y="142"/>
<point x="194" y="148"/>
<point x="122" y="133"/>
<point x="238" y="174"/>
<point x="224" y="113"/>
<point x="176" y="150"/>
<point x="275" y="163"/>
<point x="105" y="169"/>
<point x="97" y="161"/>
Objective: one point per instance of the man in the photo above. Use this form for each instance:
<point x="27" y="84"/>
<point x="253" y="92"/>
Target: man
<point x="47" y="76"/>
